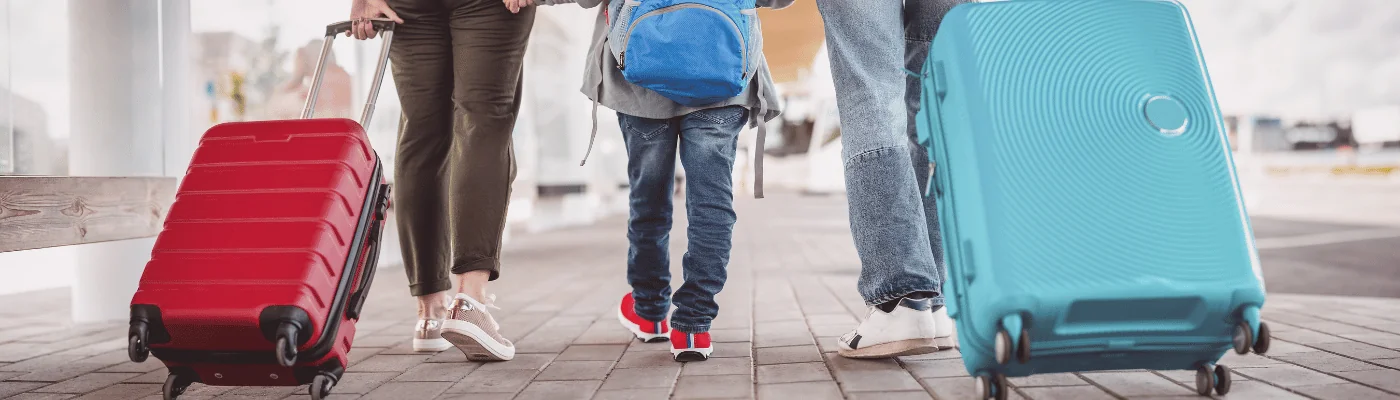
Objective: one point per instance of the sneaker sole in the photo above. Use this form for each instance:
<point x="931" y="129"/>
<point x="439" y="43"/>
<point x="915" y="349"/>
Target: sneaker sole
<point x="637" y="330"/>
<point x="431" y="345"/>
<point x="946" y="343"/>
<point x="474" y="342"/>
<point x="690" y="355"/>
<point x="908" y="347"/>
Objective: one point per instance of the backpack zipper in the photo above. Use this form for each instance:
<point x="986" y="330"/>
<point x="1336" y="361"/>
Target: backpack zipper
<point x="743" y="45"/>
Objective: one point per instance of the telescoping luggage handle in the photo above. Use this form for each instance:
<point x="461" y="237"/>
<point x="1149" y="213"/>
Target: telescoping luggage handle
<point x="386" y="28"/>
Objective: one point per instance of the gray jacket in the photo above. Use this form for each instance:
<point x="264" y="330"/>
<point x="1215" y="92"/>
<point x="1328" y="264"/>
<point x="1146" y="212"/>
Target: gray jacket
<point x="603" y="83"/>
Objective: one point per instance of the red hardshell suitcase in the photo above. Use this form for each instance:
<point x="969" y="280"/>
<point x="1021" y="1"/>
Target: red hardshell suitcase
<point x="267" y="254"/>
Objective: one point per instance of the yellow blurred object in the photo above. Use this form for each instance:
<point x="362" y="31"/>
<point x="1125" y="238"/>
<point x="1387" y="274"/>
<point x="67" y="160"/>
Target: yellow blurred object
<point x="240" y="104"/>
<point x="1376" y="170"/>
<point x="1353" y="170"/>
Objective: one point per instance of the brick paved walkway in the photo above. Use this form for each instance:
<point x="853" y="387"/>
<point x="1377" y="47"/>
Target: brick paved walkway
<point x="791" y="292"/>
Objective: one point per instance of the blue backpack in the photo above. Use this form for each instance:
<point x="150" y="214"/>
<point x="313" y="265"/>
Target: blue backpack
<point x="694" y="52"/>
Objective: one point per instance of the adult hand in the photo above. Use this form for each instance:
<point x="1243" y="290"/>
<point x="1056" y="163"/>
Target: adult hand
<point x="361" y="11"/>
<point x="515" y="5"/>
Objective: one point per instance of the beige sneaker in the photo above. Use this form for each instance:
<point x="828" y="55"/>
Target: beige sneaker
<point x="427" y="336"/>
<point x="470" y="327"/>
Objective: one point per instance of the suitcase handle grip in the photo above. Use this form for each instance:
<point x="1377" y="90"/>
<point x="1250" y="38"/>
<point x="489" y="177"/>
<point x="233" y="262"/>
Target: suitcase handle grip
<point x="383" y="25"/>
<point x="379" y="24"/>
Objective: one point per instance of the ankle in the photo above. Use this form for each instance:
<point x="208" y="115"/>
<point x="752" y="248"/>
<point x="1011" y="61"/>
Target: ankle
<point x="478" y="295"/>
<point x="434" y="306"/>
<point x="473" y="284"/>
<point x="889" y="306"/>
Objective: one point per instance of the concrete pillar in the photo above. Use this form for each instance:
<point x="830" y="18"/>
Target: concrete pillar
<point x="177" y="87"/>
<point x="117" y="130"/>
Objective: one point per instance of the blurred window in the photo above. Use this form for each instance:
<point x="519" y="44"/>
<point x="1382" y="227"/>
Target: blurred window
<point x="7" y="129"/>
<point x="33" y="87"/>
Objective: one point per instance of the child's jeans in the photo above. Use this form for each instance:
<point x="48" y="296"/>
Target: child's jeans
<point x="706" y="140"/>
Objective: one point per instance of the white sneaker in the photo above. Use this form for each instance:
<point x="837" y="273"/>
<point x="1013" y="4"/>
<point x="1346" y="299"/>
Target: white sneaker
<point x="945" y="336"/>
<point x="470" y="327"/>
<point x="427" y="336"/>
<point x="907" y="330"/>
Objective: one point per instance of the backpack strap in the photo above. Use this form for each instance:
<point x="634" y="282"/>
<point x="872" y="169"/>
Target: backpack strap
<point x="758" y="145"/>
<point x="601" y="44"/>
<point x="591" y="135"/>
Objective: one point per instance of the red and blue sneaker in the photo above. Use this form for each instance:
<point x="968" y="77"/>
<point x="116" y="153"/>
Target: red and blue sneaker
<point x="647" y="331"/>
<point x="687" y="347"/>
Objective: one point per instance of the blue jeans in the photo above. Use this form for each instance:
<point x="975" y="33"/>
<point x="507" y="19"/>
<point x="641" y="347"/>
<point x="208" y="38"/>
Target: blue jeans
<point x="707" y="140"/>
<point x="895" y="227"/>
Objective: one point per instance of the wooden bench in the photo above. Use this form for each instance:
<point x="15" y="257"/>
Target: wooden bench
<point x="43" y="211"/>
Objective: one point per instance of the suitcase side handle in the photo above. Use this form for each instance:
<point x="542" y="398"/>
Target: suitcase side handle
<point x="356" y="302"/>
<point x="929" y="120"/>
<point x="386" y="27"/>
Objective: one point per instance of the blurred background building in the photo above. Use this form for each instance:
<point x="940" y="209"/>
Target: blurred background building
<point x="1311" y="90"/>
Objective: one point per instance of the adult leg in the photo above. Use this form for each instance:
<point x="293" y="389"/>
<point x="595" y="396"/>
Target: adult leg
<point x="898" y="275"/>
<point x="709" y="139"/>
<point x="422" y="67"/>
<point x="865" y="41"/>
<point x="488" y="50"/>
<point x="651" y="172"/>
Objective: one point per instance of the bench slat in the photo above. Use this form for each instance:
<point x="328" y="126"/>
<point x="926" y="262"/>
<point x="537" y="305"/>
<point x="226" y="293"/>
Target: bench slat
<point x="44" y="211"/>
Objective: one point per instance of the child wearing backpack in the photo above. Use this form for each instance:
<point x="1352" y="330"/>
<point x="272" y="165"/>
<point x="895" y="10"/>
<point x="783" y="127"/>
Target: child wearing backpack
<point x="684" y="76"/>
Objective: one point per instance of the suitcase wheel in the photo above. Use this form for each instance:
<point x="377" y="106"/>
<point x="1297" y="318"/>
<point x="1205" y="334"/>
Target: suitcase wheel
<point x="1245" y="340"/>
<point x="1222" y="380"/>
<point x="321" y="386"/>
<point x="1003" y="346"/>
<point x="1023" y="347"/>
<point x="175" y="385"/>
<point x="287" y="344"/>
<point x="137" y="347"/>
<point x="1261" y="345"/>
<point x="1006" y="347"/>
<point x="1212" y="379"/>
<point x="992" y="387"/>
<point x="1205" y="380"/>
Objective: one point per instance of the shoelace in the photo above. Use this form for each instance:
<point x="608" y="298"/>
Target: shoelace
<point x="429" y="324"/>
<point x="491" y="301"/>
<point x="491" y="304"/>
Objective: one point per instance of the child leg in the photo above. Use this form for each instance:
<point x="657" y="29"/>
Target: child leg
<point x="707" y="145"/>
<point x="651" y="171"/>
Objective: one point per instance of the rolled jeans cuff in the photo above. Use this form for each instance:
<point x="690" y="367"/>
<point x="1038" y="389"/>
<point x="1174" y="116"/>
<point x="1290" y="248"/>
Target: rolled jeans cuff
<point x="492" y="264"/>
<point x="430" y="287"/>
<point x="937" y="298"/>
<point x="690" y="328"/>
